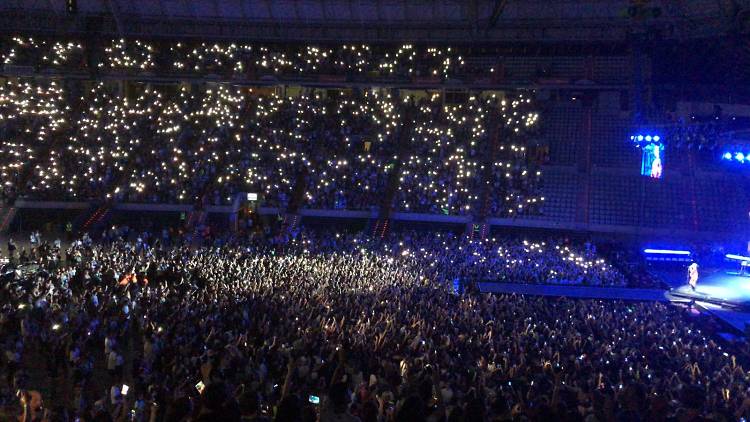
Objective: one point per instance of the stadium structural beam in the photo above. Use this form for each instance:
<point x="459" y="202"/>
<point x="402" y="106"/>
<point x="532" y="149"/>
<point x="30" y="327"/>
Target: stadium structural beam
<point x="584" y="161"/>
<point x="497" y="11"/>
<point x="386" y="206"/>
<point x="488" y="174"/>
<point x="13" y="21"/>
<point x="351" y="10"/>
<point x="297" y="196"/>
<point x="479" y="227"/>
<point x="114" y="9"/>
<point x="296" y="9"/>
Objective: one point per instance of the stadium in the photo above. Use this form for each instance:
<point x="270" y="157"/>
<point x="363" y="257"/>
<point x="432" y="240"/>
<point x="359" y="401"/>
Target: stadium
<point x="375" y="211"/>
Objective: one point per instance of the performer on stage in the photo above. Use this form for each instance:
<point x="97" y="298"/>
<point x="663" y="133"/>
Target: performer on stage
<point x="656" y="167"/>
<point x="693" y="275"/>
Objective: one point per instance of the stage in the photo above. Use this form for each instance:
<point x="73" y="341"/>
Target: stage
<point x="724" y="288"/>
<point x="724" y="294"/>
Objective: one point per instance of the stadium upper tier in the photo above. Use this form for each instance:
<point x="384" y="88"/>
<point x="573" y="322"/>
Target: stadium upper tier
<point x="341" y="63"/>
<point x="189" y="143"/>
<point x="83" y="129"/>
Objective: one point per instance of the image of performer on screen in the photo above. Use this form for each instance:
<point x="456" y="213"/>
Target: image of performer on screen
<point x="693" y="275"/>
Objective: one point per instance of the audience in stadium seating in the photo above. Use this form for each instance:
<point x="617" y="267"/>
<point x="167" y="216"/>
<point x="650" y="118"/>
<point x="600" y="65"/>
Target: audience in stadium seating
<point x="353" y="62"/>
<point x="205" y="145"/>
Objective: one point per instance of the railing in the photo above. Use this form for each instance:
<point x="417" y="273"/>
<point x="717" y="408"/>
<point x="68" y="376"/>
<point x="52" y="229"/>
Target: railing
<point x="521" y="222"/>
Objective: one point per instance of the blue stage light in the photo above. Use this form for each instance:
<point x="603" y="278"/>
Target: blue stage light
<point x="737" y="257"/>
<point x="740" y="157"/>
<point x="656" y="138"/>
<point x="632" y="137"/>
<point x="648" y="138"/>
<point x="640" y="138"/>
<point x="727" y="156"/>
<point x="665" y="252"/>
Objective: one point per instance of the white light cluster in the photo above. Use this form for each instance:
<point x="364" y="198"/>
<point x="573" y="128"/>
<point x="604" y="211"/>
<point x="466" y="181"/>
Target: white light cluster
<point x="178" y="144"/>
<point x="209" y="57"/>
<point x="31" y="117"/>
<point x="29" y="51"/>
<point x="444" y="171"/>
<point x="128" y="55"/>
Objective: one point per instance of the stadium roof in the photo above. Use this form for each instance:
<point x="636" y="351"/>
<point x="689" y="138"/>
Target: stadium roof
<point x="376" y="20"/>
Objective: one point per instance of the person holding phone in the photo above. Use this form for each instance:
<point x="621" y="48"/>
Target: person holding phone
<point x="250" y="409"/>
<point x="337" y="406"/>
<point x="215" y="400"/>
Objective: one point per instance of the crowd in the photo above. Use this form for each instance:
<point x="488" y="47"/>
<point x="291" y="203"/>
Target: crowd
<point x="308" y="327"/>
<point x="42" y="54"/>
<point x="354" y="62"/>
<point x="453" y="257"/>
<point x="206" y="143"/>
